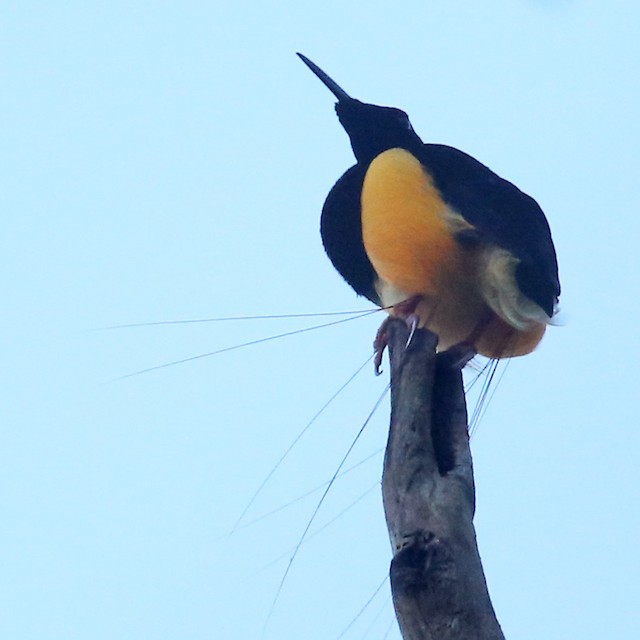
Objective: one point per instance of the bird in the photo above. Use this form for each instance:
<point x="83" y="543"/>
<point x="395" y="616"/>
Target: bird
<point x="433" y="236"/>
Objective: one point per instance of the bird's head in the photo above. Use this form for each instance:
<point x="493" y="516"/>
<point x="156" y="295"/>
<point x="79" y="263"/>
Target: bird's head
<point x="372" y="129"/>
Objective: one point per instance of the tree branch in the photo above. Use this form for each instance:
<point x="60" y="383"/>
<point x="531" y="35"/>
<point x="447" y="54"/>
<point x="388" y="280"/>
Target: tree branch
<point x="438" y="585"/>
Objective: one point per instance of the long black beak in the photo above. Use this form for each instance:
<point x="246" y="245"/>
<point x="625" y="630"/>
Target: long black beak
<point x="334" y="87"/>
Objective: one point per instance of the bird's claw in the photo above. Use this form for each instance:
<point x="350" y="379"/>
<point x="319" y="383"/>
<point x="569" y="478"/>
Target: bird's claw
<point x="412" y="321"/>
<point x="379" y="345"/>
<point x="382" y="339"/>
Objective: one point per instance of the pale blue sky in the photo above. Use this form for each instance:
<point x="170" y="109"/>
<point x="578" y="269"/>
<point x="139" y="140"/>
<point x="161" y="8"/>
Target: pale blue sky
<point x="169" y="160"/>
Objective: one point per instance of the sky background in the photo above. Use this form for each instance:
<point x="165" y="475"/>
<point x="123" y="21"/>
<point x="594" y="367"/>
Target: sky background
<point x="169" y="160"/>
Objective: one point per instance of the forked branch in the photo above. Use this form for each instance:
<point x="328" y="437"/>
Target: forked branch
<point x="437" y="580"/>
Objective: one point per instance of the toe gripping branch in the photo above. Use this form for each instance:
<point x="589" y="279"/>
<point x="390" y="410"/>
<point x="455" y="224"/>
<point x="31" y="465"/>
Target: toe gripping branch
<point x="405" y="310"/>
<point x="457" y="357"/>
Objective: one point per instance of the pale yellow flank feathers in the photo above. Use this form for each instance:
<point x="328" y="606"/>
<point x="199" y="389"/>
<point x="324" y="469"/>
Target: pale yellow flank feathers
<point x="409" y="235"/>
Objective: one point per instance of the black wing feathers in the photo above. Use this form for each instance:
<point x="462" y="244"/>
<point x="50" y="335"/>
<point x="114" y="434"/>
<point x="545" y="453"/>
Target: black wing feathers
<point x="341" y="230"/>
<point x="502" y="214"/>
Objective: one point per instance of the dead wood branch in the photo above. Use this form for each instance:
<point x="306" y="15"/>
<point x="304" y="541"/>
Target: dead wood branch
<point x="437" y="580"/>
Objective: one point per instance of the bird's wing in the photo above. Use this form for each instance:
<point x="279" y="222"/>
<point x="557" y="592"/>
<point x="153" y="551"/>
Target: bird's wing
<point x="341" y="230"/>
<point x="501" y="215"/>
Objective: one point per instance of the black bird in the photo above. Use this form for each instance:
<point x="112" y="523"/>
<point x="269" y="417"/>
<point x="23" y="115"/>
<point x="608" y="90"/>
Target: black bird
<point x="429" y="233"/>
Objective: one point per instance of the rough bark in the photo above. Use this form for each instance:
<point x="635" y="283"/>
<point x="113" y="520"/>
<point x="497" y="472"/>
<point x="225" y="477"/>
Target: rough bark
<point x="437" y="580"/>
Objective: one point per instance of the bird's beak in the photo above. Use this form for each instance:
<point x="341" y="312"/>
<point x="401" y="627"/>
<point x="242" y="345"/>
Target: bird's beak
<point x="334" y="87"/>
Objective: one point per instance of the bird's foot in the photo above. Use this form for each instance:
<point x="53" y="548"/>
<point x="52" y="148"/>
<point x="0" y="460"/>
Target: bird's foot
<point x="405" y="310"/>
<point x="380" y="344"/>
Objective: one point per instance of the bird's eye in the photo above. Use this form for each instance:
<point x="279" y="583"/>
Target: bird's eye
<point x="402" y="119"/>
